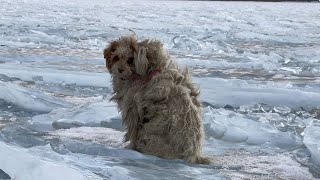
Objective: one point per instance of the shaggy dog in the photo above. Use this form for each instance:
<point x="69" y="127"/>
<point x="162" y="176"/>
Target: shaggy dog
<point x="158" y="102"/>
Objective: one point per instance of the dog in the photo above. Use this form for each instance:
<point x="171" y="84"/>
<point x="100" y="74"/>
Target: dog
<point x="158" y="102"/>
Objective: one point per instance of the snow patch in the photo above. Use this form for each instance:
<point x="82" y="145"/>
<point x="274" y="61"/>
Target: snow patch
<point x="280" y="166"/>
<point x="101" y="135"/>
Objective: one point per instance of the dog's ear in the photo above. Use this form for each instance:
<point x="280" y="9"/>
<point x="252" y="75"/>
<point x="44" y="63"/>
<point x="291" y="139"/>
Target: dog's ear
<point x="141" y="62"/>
<point x="149" y="56"/>
<point x="107" y="53"/>
<point x="155" y="55"/>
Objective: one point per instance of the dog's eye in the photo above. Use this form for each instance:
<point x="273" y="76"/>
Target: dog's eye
<point x="130" y="60"/>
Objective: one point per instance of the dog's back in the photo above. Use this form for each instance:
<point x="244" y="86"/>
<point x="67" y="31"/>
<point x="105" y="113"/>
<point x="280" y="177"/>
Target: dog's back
<point x="172" y="124"/>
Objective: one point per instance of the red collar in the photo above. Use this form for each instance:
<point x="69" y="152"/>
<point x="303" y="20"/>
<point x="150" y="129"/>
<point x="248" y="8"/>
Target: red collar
<point x="143" y="80"/>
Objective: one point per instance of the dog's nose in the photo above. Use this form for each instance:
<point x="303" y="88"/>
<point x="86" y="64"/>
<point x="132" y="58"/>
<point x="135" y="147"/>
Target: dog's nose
<point x="120" y="70"/>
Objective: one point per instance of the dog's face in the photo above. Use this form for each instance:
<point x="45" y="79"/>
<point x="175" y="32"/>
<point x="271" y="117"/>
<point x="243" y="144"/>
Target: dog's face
<point x="119" y="56"/>
<point x="125" y="57"/>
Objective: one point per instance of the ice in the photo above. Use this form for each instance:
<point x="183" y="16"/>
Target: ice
<point x="30" y="99"/>
<point x="2" y="125"/>
<point x="93" y="114"/>
<point x="282" y="110"/>
<point x="55" y="76"/>
<point x="4" y="175"/>
<point x="223" y="92"/>
<point x="250" y="108"/>
<point x="35" y="167"/>
<point x="229" y="126"/>
<point x="312" y="140"/>
<point x="256" y="64"/>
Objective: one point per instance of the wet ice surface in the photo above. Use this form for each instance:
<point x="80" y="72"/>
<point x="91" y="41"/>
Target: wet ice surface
<point x="257" y="65"/>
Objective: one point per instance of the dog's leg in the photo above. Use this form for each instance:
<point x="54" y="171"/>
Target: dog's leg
<point x="130" y="119"/>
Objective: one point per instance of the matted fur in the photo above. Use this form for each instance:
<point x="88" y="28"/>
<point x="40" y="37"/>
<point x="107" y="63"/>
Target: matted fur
<point x="162" y="114"/>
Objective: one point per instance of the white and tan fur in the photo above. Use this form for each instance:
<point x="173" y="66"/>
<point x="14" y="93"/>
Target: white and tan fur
<point x="158" y="102"/>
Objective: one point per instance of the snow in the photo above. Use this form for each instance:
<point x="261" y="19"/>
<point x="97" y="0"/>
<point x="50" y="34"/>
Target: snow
<point x="92" y="134"/>
<point x="257" y="66"/>
<point x="280" y="166"/>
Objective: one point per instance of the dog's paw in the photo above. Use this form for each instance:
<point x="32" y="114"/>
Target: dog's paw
<point x="199" y="160"/>
<point x="203" y="160"/>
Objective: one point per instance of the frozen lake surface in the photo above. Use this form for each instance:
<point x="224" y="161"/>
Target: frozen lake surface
<point x="257" y="65"/>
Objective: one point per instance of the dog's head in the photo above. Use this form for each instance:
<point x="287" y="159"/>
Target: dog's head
<point x="126" y="57"/>
<point x="119" y="56"/>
